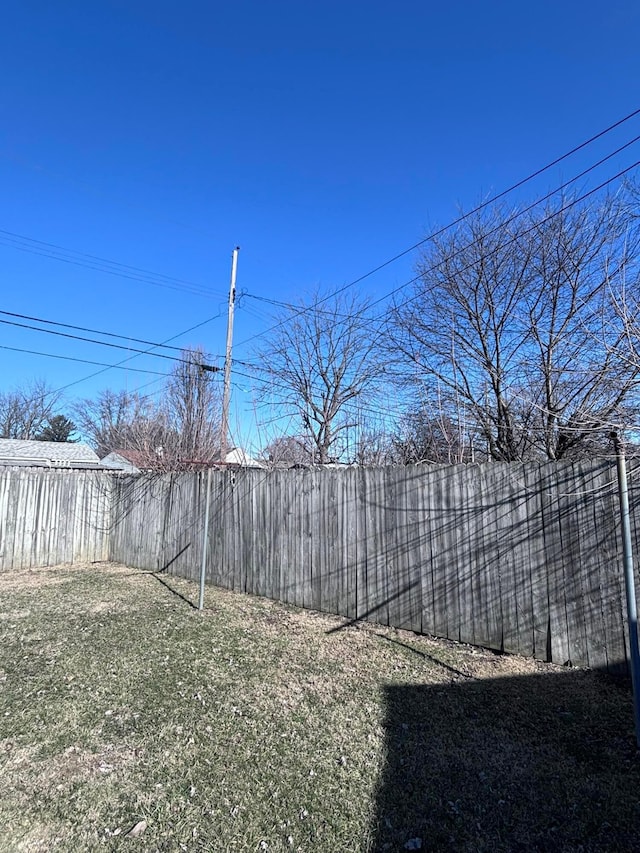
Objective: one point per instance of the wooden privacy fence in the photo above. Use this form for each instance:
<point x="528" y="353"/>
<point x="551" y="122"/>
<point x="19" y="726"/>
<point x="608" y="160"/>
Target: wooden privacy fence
<point x="53" y="516"/>
<point x="517" y="557"/>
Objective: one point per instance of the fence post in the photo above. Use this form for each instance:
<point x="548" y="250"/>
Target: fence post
<point x="629" y="582"/>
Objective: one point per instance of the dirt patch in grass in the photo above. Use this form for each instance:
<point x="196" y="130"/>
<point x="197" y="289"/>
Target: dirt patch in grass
<point x="257" y="726"/>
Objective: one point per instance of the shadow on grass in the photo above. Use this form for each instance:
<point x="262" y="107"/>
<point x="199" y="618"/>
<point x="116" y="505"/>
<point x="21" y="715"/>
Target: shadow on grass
<point x="156" y="576"/>
<point x="422" y="654"/>
<point x="525" y="763"/>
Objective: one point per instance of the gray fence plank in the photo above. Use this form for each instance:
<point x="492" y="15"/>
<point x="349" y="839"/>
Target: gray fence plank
<point x="490" y="550"/>
<point x="364" y="549"/>
<point x="590" y="483"/>
<point x="465" y="562"/>
<point x="508" y="548"/>
<point x="523" y="537"/>
<point x="569" y="498"/>
<point x="560" y="638"/>
<point x="525" y="557"/>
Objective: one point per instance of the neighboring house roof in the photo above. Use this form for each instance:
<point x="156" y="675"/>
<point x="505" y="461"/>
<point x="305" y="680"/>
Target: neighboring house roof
<point x="131" y="461"/>
<point x="50" y="454"/>
<point x="238" y="457"/>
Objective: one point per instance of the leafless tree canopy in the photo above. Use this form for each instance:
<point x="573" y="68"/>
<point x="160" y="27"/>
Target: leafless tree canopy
<point x="289" y="450"/>
<point x="107" y="420"/>
<point x="321" y="359"/>
<point x="374" y="448"/>
<point x="192" y="408"/>
<point x="24" y="412"/>
<point x="179" y="431"/>
<point x="512" y="329"/>
<point x="424" y="436"/>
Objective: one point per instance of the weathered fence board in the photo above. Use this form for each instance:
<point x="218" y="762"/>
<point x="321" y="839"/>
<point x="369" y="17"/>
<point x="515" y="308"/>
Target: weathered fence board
<point x="521" y="557"/>
<point x="53" y="516"/>
<point x="517" y="557"/>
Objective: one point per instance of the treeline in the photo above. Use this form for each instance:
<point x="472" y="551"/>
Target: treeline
<point x="176" y="429"/>
<point x="517" y="339"/>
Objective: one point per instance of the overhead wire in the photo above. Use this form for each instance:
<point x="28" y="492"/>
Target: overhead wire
<point x="128" y="359"/>
<point x="53" y="251"/>
<point x="520" y="234"/>
<point x="371" y="272"/>
<point x="465" y="216"/>
<point x="490" y="252"/>
<point x="79" y="360"/>
<point x="379" y="410"/>
<point x="109" y="344"/>
<point x="495" y="249"/>
<point x="92" y="331"/>
<point x="394" y="413"/>
<point x="460" y="219"/>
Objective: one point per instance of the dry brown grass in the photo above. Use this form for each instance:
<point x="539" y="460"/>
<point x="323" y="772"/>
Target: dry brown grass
<point x="256" y="726"/>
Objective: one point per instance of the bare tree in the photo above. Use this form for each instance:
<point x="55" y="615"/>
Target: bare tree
<point x="288" y="450"/>
<point x="425" y="437"/>
<point x="192" y="408"/>
<point x="179" y="431"/>
<point x="108" y="420"/>
<point x="320" y="360"/>
<point x="513" y="323"/>
<point x="374" y="448"/>
<point x="24" y="411"/>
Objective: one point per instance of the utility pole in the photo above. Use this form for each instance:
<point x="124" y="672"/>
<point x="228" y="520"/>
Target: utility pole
<point x="226" y="396"/>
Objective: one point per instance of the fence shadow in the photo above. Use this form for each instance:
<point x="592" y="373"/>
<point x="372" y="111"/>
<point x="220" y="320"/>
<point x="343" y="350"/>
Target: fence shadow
<point x="524" y="763"/>
<point x="515" y="557"/>
<point x="432" y="660"/>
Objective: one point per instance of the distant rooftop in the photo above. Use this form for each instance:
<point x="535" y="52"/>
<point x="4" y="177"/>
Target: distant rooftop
<point x="135" y="461"/>
<point x="236" y="456"/>
<point x="66" y="454"/>
<point x="130" y="460"/>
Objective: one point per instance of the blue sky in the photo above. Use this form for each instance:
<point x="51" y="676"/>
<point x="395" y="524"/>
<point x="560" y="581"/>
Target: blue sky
<point x="321" y="138"/>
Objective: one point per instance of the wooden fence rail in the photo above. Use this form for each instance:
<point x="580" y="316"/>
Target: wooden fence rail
<point x="516" y="557"/>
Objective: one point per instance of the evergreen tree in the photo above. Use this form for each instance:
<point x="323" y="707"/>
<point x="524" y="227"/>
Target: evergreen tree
<point x="58" y="428"/>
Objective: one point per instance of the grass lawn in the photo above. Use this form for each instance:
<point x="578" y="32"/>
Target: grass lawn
<point x="129" y="721"/>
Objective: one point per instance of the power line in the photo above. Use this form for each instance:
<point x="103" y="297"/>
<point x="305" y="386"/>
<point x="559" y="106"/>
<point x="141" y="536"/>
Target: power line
<point x="518" y="236"/>
<point x="489" y="253"/>
<point x="108" y="344"/>
<point x="80" y="360"/>
<point x="357" y="405"/>
<point x="472" y="212"/>
<point x="349" y="404"/>
<point x="591" y="423"/>
<point x="126" y="360"/>
<point x="433" y="267"/>
<point x="95" y="262"/>
<point x="290" y="306"/>
<point x="536" y="225"/>
<point x="93" y="331"/>
<point x="552" y="215"/>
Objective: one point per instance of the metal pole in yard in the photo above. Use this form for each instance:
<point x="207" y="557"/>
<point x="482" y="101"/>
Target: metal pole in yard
<point x="629" y="582"/>
<point x="205" y="541"/>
